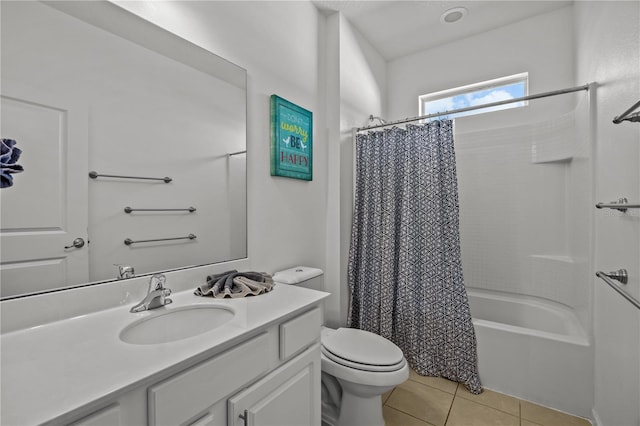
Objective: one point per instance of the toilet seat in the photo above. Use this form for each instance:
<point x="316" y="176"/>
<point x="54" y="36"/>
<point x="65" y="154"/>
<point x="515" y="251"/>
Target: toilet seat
<point x="359" y="366"/>
<point x="362" y="350"/>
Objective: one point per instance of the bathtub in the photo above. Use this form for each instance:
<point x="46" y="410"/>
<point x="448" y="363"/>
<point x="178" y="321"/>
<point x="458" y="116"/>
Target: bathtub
<point x="534" y="349"/>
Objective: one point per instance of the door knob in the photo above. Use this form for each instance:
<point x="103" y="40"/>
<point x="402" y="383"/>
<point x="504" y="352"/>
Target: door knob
<point x="77" y="243"/>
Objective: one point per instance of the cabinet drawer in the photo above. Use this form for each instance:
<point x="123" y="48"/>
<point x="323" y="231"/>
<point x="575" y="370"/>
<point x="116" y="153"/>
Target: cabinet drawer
<point x="300" y="332"/>
<point x="189" y="393"/>
<point x="110" y="416"/>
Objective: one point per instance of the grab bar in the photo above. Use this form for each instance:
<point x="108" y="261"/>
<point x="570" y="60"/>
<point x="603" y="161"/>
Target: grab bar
<point x="129" y="210"/>
<point x="622" y="276"/>
<point x="621" y="205"/>
<point x="231" y="154"/>
<point x="95" y="175"/>
<point x="628" y="116"/>
<point x="129" y="241"/>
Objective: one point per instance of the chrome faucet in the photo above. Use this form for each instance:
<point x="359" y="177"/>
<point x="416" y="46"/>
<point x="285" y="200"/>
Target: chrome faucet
<point x="125" y="271"/>
<point x="156" y="295"/>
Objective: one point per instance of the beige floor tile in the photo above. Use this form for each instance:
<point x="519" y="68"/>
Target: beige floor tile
<point x="467" y="413"/>
<point x="496" y="400"/>
<point x="436" y="382"/>
<point x="548" y="417"/>
<point x="524" y="422"/>
<point x="393" y="417"/>
<point x="424" y="402"/>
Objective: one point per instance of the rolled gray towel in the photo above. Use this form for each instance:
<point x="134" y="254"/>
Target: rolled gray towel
<point x="243" y="286"/>
<point x="235" y="284"/>
<point x="212" y="280"/>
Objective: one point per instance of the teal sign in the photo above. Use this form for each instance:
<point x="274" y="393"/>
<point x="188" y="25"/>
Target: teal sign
<point x="291" y="140"/>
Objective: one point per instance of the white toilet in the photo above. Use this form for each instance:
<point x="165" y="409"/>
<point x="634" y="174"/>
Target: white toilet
<point x="364" y="364"/>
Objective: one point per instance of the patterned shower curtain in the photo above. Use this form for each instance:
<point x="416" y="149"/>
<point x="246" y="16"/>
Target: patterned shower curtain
<point x="405" y="271"/>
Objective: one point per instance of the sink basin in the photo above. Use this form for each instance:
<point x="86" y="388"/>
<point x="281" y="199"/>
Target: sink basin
<point x="175" y="324"/>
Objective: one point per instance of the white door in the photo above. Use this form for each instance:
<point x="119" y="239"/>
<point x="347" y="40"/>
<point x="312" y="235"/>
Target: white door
<point x="289" y="396"/>
<point x="45" y="209"/>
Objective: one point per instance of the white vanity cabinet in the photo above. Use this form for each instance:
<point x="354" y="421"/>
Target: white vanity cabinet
<point x="286" y="361"/>
<point x="265" y="360"/>
<point x="269" y="379"/>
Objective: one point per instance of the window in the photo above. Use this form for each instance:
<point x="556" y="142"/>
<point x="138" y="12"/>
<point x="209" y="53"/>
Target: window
<point x="486" y="92"/>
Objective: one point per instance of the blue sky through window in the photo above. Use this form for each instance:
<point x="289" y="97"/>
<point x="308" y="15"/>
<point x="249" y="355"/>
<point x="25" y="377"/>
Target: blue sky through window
<point x="476" y="97"/>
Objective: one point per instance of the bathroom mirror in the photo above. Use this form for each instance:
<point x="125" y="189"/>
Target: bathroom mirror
<point x="90" y="87"/>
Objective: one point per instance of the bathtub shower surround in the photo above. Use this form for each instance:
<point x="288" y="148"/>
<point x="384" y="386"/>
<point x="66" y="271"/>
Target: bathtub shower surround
<point x="525" y="228"/>
<point x="405" y="271"/>
<point x="525" y="205"/>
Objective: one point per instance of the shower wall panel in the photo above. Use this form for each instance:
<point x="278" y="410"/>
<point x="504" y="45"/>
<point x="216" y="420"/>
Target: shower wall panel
<point x="518" y="212"/>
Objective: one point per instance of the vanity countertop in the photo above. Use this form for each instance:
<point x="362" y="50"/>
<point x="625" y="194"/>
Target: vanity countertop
<point x="63" y="366"/>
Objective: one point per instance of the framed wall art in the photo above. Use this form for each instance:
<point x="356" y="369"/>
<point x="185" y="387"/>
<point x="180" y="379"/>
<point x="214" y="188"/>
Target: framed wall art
<point x="291" y="140"/>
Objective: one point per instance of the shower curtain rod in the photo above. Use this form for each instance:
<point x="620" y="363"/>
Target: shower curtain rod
<point x="471" y="108"/>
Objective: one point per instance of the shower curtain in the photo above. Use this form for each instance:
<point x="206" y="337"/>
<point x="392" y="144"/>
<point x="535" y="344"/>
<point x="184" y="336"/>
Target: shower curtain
<point x="405" y="272"/>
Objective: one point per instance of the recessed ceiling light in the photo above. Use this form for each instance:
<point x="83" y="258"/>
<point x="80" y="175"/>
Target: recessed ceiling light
<point x="453" y="15"/>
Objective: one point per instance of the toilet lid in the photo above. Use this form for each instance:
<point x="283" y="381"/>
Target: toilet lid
<point x="362" y="348"/>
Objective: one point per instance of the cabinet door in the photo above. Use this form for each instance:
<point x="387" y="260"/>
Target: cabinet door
<point x="289" y="396"/>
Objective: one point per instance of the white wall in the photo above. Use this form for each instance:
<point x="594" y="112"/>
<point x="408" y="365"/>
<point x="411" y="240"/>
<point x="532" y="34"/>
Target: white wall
<point x="608" y="52"/>
<point x="357" y="84"/>
<point x="508" y="50"/>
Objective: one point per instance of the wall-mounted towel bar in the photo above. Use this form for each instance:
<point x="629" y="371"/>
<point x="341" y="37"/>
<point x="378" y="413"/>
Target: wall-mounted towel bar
<point x="95" y="175"/>
<point x="129" y="210"/>
<point x="621" y="205"/>
<point x="129" y="241"/>
<point x="619" y="275"/>
<point x="236" y="153"/>
<point x="627" y="116"/>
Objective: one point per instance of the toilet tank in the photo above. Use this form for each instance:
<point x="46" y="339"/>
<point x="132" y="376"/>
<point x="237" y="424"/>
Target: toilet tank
<point x="303" y="276"/>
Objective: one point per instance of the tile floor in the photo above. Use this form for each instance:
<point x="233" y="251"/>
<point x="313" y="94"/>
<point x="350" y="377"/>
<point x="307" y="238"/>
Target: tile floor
<point x="432" y="401"/>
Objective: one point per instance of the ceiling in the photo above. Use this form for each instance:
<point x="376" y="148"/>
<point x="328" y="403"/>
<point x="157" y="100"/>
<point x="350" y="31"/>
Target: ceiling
<point x="399" y="28"/>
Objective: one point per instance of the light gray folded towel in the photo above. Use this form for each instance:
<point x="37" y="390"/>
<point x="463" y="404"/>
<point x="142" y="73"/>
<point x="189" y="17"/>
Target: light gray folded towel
<point x="234" y="284"/>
